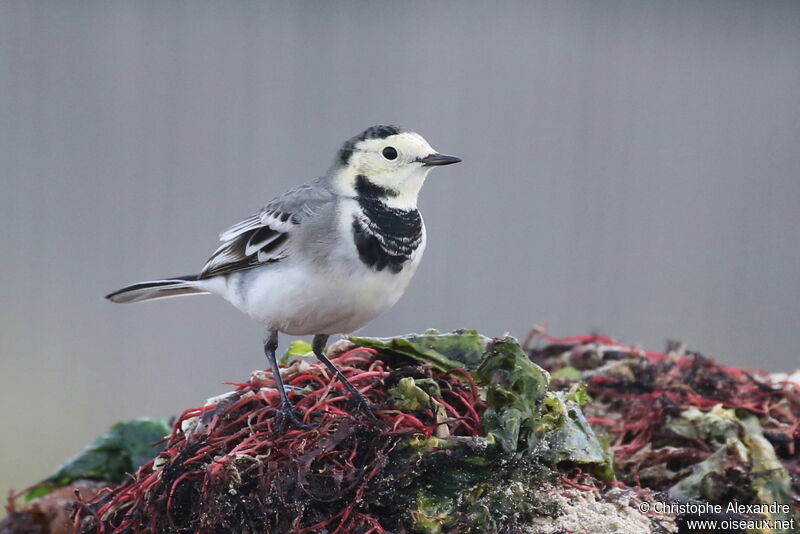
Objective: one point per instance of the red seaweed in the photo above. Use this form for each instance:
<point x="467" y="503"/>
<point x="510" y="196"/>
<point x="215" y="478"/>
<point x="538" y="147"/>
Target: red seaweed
<point x="634" y="403"/>
<point x="228" y="467"/>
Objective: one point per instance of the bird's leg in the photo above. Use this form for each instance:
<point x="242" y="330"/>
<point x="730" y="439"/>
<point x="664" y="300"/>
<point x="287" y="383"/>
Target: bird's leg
<point x="318" y="345"/>
<point x="286" y="410"/>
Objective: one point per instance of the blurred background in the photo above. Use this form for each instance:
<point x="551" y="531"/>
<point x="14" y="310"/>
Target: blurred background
<point x="630" y="168"/>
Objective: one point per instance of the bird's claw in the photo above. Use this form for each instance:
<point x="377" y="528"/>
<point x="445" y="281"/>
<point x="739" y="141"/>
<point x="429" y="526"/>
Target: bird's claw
<point x="287" y="414"/>
<point x="362" y="406"/>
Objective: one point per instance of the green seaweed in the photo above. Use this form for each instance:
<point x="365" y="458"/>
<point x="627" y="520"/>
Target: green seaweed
<point x="741" y="445"/>
<point x="122" y="450"/>
<point x="568" y="373"/>
<point x="485" y="483"/>
<point x="514" y="388"/>
<point x="717" y="425"/>
<point x="297" y="348"/>
<point x="770" y="479"/>
<point x="462" y="348"/>
<point x="465" y="485"/>
<point x="571" y="438"/>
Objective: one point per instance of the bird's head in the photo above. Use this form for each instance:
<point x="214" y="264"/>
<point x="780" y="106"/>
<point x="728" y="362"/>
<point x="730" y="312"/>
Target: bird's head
<point x="387" y="162"/>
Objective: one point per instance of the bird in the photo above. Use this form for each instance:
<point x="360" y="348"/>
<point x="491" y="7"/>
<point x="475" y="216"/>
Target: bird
<point x="327" y="256"/>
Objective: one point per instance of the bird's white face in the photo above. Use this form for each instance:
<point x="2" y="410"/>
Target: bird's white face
<point x="395" y="163"/>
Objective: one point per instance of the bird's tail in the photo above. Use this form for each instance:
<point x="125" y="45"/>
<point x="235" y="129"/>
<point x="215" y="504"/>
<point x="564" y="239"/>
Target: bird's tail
<point x="158" y="289"/>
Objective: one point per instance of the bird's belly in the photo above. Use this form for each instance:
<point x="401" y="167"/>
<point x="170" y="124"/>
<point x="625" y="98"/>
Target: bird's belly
<point x="307" y="300"/>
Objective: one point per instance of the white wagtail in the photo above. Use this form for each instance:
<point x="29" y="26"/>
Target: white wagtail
<point x="326" y="257"/>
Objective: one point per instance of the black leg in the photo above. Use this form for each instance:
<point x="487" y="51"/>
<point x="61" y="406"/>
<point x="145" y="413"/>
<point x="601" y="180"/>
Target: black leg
<point x="286" y="411"/>
<point x="318" y="344"/>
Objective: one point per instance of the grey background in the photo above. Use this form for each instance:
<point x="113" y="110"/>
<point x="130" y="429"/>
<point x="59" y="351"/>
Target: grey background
<point x="629" y="167"/>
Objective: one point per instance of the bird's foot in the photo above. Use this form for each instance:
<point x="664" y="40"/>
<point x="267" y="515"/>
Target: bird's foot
<point x="363" y="406"/>
<point x="287" y="414"/>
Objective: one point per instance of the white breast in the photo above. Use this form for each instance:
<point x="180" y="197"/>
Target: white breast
<point x="300" y="296"/>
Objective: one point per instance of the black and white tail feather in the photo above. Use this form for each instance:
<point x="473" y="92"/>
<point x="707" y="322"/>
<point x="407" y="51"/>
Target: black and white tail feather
<point x="258" y="240"/>
<point x="158" y="289"/>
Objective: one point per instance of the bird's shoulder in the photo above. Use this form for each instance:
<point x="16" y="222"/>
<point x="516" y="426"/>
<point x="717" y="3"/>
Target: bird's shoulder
<point x="288" y="209"/>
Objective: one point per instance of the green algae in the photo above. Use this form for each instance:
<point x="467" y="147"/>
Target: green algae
<point x="741" y="445"/>
<point x="443" y="351"/>
<point x="110" y="457"/>
<point x="485" y="483"/>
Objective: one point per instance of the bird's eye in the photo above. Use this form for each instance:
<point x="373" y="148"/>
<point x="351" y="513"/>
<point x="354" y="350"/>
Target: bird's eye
<point x="389" y="152"/>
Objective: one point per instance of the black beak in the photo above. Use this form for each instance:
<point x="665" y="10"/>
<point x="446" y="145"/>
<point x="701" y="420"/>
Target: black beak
<point x="438" y="159"/>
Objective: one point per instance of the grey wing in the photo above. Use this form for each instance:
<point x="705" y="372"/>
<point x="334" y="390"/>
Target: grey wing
<point x="264" y="237"/>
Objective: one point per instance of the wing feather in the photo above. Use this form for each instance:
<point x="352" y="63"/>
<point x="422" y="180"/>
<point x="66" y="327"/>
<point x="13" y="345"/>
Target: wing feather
<point x="260" y="239"/>
<point x="265" y="237"/>
<point x="254" y="221"/>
